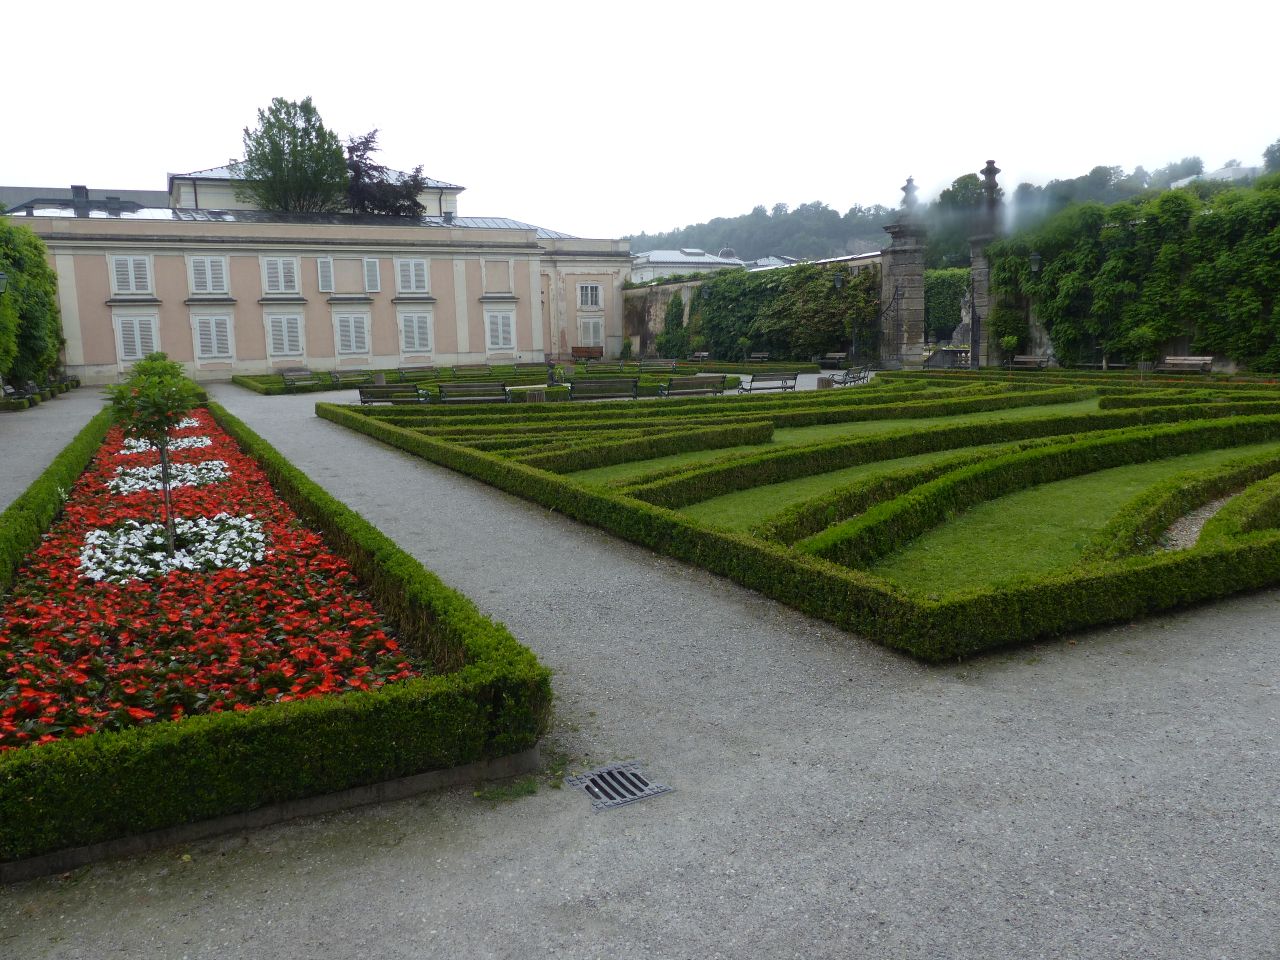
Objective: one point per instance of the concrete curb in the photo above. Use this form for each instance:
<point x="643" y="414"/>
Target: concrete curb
<point x="61" y="861"/>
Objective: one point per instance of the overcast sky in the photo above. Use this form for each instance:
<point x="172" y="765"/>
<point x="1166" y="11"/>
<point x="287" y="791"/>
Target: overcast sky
<point x="609" y="119"/>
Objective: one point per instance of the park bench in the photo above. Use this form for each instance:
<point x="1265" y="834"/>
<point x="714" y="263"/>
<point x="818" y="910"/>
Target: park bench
<point x="1028" y="362"/>
<point x="762" y="357"/>
<point x="704" y="384"/>
<point x="474" y="392"/>
<point x="527" y="369"/>
<point x="851" y="377"/>
<point x="11" y="392"/>
<point x="702" y="356"/>
<point x="350" y="378"/>
<point x="603" y="389"/>
<point x="613" y="366"/>
<point x="470" y="370"/>
<point x="768" y="381"/>
<point x="295" y="377"/>
<point x="657" y="366"/>
<point x="831" y="361"/>
<point x="587" y="353"/>
<point x="1185" y="365"/>
<point x="399" y="393"/>
<point x="415" y="374"/>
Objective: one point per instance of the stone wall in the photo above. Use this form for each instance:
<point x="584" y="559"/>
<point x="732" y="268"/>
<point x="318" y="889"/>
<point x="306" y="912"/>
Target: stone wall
<point x="644" y="308"/>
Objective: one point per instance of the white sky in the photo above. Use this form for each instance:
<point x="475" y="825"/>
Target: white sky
<point x="602" y="119"/>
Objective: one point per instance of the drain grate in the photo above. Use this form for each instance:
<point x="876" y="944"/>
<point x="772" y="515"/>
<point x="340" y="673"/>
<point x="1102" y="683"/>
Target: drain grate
<point x="616" y="784"/>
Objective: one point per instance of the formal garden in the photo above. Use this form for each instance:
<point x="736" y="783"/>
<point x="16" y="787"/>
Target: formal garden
<point x="939" y="514"/>
<point x="192" y="629"/>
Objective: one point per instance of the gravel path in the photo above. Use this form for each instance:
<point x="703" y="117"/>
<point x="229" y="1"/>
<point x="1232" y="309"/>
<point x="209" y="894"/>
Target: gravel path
<point x="30" y="439"/>
<point x="1184" y="532"/>
<point x="1115" y="796"/>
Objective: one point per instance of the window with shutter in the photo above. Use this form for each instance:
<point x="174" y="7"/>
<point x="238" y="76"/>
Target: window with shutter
<point x="137" y="337"/>
<point x="141" y="275"/>
<point x="501" y="331"/>
<point x="131" y="275"/>
<point x="411" y="276"/>
<point x="352" y="333"/>
<point x="415" y="332"/>
<point x="208" y="275"/>
<point x="324" y="274"/>
<point x="280" y="274"/>
<point x="589" y="296"/>
<point x="213" y="338"/>
<point x="371" y="277"/>
<point x="284" y="335"/>
<point x="592" y="333"/>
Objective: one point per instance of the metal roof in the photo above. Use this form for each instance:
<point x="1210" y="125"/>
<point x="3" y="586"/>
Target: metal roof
<point x="21" y="196"/>
<point x="681" y="257"/>
<point x="225" y="173"/>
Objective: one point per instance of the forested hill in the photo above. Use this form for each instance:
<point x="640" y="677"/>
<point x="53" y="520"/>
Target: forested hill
<point x="810" y="231"/>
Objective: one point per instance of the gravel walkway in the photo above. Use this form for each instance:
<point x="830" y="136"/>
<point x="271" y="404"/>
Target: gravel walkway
<point x="1184" y="533"/>
<point x="1113" y="796"/>
<point x="30" y="439"/>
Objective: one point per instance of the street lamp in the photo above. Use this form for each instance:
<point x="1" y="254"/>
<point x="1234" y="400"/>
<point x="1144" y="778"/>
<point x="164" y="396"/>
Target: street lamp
<point x="1036" y="260"/>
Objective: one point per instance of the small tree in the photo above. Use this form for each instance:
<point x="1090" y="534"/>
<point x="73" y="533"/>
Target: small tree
<point x="1009" y="343"/>
<point x="673" y="341"/>
<point x="148" y="405"/>
<point x="292" y="162"/>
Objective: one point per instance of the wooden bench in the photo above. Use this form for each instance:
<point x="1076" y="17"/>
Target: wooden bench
<point x="1185" y="365"/>
<point x="1028" y="362"/>
<point x="768" y="381"/>
<point x="11" y="392"/>
<point x="613" y="366"/>
<point x="851" y="377"/>
<point x="472" y="370"/>
<point x="832" y="361"/>
<point x="702" y="356"/>
<point x="295" y="377"/>
<point x="587" y="353"/>
<point x="762" y="357"/>
<point x="656" y="366"/>
<point x="704" y="384"/>
<point x="350" y="378"/>
<point x="474" y="392"/>
<point x="399" y="393"/>
<point x="415" y="374"/>
<point x="618" y="389"/>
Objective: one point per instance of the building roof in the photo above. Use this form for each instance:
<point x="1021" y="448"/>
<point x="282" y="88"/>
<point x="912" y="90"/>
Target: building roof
<point x="20" y="196"/>
<point x="225" y="173"/>
<point x="686" y="257"/>
<point x="97" y="211"/>
<point x="1222" y="173"/>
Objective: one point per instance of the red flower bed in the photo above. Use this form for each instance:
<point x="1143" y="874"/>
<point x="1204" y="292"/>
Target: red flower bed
<point x="78" y="656"/>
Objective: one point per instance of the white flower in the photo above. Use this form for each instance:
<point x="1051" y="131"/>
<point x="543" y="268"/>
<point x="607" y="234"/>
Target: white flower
<point x="134" y="479"/>
<point x="135" y="550"/>
<point x="135" y="445"/>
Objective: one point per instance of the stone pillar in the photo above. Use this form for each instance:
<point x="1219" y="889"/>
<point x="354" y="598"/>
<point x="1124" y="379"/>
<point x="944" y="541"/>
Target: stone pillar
<point x="902" y="287"/>
<point x="982" y="348"/>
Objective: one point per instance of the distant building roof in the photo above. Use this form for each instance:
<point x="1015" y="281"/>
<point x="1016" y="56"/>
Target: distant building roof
<point x="1222" y="173"/>
<point x="11" y="197"/>
<point x="687" y="256"/>
<point x="226" y="173"/>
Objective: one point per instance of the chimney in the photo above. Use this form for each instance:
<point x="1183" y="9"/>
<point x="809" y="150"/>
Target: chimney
<point x="448" y="216"/>
<point x="79" y="193"/>
<point x="113" y="206"/>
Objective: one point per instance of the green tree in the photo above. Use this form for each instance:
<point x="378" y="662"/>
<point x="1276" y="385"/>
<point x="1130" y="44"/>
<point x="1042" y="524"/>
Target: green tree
<point x="374" y="189"/>
<point x="943" y="293"/>
<point x="673" y="341"/>
<point x="30" y="323"/>
<point x="1271" y="158"/>
<point x="149" y="405"/>
<point x="292" y="162"/>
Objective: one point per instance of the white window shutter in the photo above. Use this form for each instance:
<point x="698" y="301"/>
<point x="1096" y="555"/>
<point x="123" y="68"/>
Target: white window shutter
<point x="120" y="270"/>
<point x="204" y="337"/>
<point x="217" y="275"/>
<point x="324" y="274"/>
<point x="293" y="328"/>
<point x="406" y="276"/>
<point x="423" y="323"/>
<point x="273" y="276"/>
<point x="146" y="336"/>
<point x="371" y="278"/>
<point x="129" y="338"/>
<point x="199" y="275"/>
<point x="507" y="338"/>
<point x="359" y="335"/>
<point x="288" y="275"/>
<point x="420" y="276"/>
<point x="409" y="335"/>
<point x="277" y="335"/>
<point x="141" y="282"/>
<point x="221" y="336"/>
<point x="344" y="334"/>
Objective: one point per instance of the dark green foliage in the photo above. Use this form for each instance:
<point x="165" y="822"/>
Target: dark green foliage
<point x="602" y="451"/>
<point x="943" y="292"/>
<point x="673" y="341"/>
<point x="796" y="313"/>
<point x="490" y="698"/>
<point x="373" y="189"/>
<point x="1271" y="158"/>
<point x="30" y="322"/>
<point x="1200" y="274"/>
<point x="292" y="162"/>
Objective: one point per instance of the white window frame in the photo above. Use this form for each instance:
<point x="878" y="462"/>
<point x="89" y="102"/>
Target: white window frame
<point x="599" y="296"/>
<point x="492" y="314"/>
<point x="284" y="289"/>
<point x="403" y="317"/>
<point x="210" y="288"/>
<point x="587" y="322"/>
<point x="372" y="275"/>
<point x="413" y="263"/>
<point x="363" y="319"/>
<point x="134" y="259"/>
<point x="135" y="318"/>
<point x="296" y="315"/>
<point x="199" y="318"/>
<point x="324" y="283"/>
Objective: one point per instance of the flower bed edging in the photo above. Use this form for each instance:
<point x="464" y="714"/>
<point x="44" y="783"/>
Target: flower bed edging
<point x="491" y="699"/>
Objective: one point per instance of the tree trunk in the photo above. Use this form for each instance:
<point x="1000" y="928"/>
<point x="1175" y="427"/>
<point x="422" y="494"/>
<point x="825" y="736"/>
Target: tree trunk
<point x="164" y="490"/>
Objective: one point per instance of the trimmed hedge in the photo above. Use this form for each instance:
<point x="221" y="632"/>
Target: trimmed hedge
<point x="888" y="526"/>
<point x="494" y="700"/>
<point x="932" y="630"/>
<point x="603" y="452"/>
<point x="1256" y="508"/>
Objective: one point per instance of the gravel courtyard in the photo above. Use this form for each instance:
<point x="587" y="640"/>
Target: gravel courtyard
<point x="1112" y="795"/>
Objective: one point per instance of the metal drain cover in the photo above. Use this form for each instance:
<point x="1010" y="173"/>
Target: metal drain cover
<point x="616" y="784"/>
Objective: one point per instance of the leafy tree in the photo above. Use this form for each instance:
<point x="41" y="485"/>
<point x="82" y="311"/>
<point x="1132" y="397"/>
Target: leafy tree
<point x="149" y="405"/>
<point x="943" y="292"/>
<point x="952" y="219"/>
<point x="30" y="323"/>
<point x="292" y="162"/>
<point x="372" y="188"/>
<point x="1271" y="158"/>
<point x="673" y="341"/>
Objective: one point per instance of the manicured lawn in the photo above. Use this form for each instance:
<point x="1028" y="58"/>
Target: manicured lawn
<point x="830" y="431"/>
<point x="1032" y="532"/>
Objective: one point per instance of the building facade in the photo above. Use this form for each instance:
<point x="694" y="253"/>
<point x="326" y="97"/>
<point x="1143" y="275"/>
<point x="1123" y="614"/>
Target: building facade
<point x="225" y="289"/>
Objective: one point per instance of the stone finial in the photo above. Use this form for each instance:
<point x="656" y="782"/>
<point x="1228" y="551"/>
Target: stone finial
<point x="909" y="194"/>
